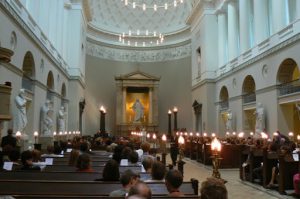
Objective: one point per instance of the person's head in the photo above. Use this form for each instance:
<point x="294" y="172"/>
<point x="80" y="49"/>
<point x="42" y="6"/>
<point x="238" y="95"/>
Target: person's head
<point x="14" y="155"/>
<point x="145" y="146"/>
<point x="83" y="162"/>
<point x="173" y="180"/>
<point x="133" y="157"/>
<point x="26" y="158"/>
<point x="158" y="170"/>
<point x="111" y="171"/>
<point x="213" y="188"/>
<point x="50" y="149"/>
<point x="129" y="178"/>
<point x="84" y="147"/>
<point x="9" y="131"/>
<point x="147" y="164"/>
<point x="140" y="189"/>
<point x="125" y="152"/>
<point x="36" y="155"/>
<point x="73" y="157"/>
<point x="57" y="150"/>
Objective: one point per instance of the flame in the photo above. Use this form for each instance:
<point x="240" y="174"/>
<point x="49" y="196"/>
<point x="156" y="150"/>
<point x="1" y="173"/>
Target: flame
<point x="291" y="134"/>
<point x="164" y="137"/>
<point x="216" y="145"/>
<point x="181" y="140"/>
<point x="241" y="134"/>
<point x="154" y="136"/>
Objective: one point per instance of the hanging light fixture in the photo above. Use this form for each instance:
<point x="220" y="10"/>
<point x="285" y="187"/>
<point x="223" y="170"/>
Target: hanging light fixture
<point x="155" y="6"/>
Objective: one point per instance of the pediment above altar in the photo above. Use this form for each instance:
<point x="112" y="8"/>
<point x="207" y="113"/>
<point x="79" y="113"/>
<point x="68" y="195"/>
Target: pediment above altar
<point x="137" y="75"/>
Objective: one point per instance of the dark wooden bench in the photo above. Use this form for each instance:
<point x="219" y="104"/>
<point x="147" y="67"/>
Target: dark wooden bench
<point x="81" y="188"/>
<point x="57" y="176"/>
<point x="92" y="197"/>
<point x="96" y="168"/>
<point x="270" y="160"/>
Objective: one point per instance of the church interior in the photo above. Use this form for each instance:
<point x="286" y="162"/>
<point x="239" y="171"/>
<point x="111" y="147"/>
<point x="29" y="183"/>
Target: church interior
<point x="209" y="88"/>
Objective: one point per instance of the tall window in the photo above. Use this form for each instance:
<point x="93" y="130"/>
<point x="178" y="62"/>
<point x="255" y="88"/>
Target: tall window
<point x="198" y="61"/>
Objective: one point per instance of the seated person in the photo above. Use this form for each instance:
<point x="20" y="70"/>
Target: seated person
<point x="173" y="181"/>
<point x="1" y="161"/>
<point x="141" y="190"/>
<point x="213" y="188"/>
<point x="128" y="179"/>
<point x="147" y="164"/>
<point x="158" y="171"/>
<point x="52" y="152"/>
<point x="73" y="157"/>
<point x="110" y="172"/>
<point x="14" y="157"/>
<point x="133" y="158"/>
<point x="27" y="163"/>
<point x="84" y="163"/>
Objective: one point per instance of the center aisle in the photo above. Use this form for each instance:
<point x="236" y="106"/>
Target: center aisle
<point x="237" y="189"/>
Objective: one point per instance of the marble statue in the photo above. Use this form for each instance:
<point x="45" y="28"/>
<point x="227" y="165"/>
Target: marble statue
<point x="61" y="119"/>
<point x="229" y="120"/>
<point x="138" y="110"/>
<point x="48" y="124"/>
<point x="21" y="117"/>
<point x="44" y="110"/>
<point x="260" y="118"/>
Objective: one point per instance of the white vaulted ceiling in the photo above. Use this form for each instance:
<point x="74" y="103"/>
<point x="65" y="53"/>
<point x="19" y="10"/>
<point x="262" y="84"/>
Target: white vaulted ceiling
<point x="110" y="18"/>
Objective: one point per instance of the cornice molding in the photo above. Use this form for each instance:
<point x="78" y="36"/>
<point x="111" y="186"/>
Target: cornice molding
<point x="139" y="55"/>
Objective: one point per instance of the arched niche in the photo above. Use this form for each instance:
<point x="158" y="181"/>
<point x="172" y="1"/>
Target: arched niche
<point x="288" y="77"/>
<point x="50" y="85"/>
<point x="28" y="68"/>
<point x="249" y="88"/>
<point x="223" y="98"/>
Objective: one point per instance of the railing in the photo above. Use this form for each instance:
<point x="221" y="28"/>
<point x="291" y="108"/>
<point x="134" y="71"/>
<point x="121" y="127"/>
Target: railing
<point x="224" y="105"/>
<point x="289" y="88"/>
<point x="249" y="98"/>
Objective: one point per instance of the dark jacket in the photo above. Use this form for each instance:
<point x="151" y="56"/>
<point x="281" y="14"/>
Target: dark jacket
<point x="9" y="140"/>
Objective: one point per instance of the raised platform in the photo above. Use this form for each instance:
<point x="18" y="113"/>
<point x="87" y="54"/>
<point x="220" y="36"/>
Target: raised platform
<point x="126" y="129"/>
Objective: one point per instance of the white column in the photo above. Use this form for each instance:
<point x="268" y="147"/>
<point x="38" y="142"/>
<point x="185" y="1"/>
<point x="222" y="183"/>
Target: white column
<point x="232" y="30"/>
<point x="222" y="37"/>
<point x="279" y="14"/>
<point x="244" y="7"/>
<point x="53" y="22"/>
<point x="261" y="24"/>
<point x="59" y="32"/>
<point x="297" y="9"/>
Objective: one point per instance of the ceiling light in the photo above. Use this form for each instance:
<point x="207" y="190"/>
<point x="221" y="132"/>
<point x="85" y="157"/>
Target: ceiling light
<point x="144" y="6"/>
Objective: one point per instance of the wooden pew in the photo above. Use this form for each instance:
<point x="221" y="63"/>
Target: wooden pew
<point x="255" y="159"/>
<point x="92" y="197"/>
<point x="80" y="188"/>
<point x="270" y="160"/>
<point x="287" y="169"/>
<point x="96" y="168"/>
<point x="206" y="154"/>
<point x="57" y="176"/>
<point x="244" y="154"/>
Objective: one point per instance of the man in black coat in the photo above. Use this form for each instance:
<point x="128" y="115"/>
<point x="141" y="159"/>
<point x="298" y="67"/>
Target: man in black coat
<point x="9" y="139"/>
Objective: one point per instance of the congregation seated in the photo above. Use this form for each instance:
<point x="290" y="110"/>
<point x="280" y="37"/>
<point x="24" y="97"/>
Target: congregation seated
<point x="173" y="181"/>
<point x="27" y="161"/>
<point x="52" y="151"/>
<point x="158" y="171"/>
<point x="140" y="190"/>
<point x="110" y="172"/>
<point x="213" y="188"/>
<point x="128" y="179"/>
<point x="84" y="163"/>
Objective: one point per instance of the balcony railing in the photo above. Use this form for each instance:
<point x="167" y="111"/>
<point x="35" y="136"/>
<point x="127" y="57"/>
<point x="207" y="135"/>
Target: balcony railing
<point x="289" y="88"/>
<point x="249" y="98"/>
<point x="224" y="105"/>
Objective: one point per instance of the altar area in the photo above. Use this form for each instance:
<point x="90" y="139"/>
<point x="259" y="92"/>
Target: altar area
<point x="137" y="103"/>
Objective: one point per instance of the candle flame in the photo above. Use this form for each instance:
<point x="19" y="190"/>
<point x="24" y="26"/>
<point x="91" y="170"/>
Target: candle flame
<point x="216" y="145"/>
<point x="164" y="137"/>
<point x="35" y="134"/>
<point x="291" y="134"/>
<point x="180" y="140"/>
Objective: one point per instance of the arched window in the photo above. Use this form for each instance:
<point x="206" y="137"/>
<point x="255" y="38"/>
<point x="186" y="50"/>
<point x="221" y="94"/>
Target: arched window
<point x="288" y="77"/>
<point x="224" y="104"/>
<point x="248" y="92"/>
<point x="28" y="71"/>
<point x="50" y="85"/>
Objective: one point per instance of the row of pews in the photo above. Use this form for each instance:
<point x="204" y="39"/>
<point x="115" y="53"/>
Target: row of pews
<point x="237" y="155"/>
<point x="62" y="181"/>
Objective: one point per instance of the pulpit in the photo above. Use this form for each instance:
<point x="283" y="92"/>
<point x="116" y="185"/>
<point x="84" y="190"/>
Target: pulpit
<point x="137" y="103"/>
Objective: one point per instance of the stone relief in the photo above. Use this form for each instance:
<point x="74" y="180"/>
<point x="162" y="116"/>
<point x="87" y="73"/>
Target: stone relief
<point x="138" y="55"/>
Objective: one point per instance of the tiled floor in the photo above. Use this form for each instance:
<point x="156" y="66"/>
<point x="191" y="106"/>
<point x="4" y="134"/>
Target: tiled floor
<point x="237" y="189"/>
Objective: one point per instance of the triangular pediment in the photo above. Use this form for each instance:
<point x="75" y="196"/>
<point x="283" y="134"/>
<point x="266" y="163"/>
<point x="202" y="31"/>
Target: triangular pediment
<point x="137" y="75"/>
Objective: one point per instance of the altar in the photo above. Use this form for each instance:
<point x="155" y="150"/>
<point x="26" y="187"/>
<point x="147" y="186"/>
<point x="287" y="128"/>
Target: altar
<point x="137" y="103"/>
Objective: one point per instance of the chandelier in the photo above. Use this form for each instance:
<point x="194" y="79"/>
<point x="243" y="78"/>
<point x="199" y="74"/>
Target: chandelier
<point x="140" y="4"/>
<point x="133" y="38"/>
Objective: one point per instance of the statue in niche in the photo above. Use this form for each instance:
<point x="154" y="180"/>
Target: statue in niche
<point x="48" y="124"/>
<point x="21" y="117"/>
<point x="260" y="118"/>
<point x="229" y="120"/>
<point x="138" y="110"/>
<point x="43" y="116"/>
<point x="61" y="119"/>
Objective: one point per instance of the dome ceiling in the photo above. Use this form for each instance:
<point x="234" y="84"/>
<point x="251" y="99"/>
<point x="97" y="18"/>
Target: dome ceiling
<point x="110" y="18"/>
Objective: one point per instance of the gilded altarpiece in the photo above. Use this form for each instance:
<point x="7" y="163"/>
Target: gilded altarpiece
<point x="132" y="87"/>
